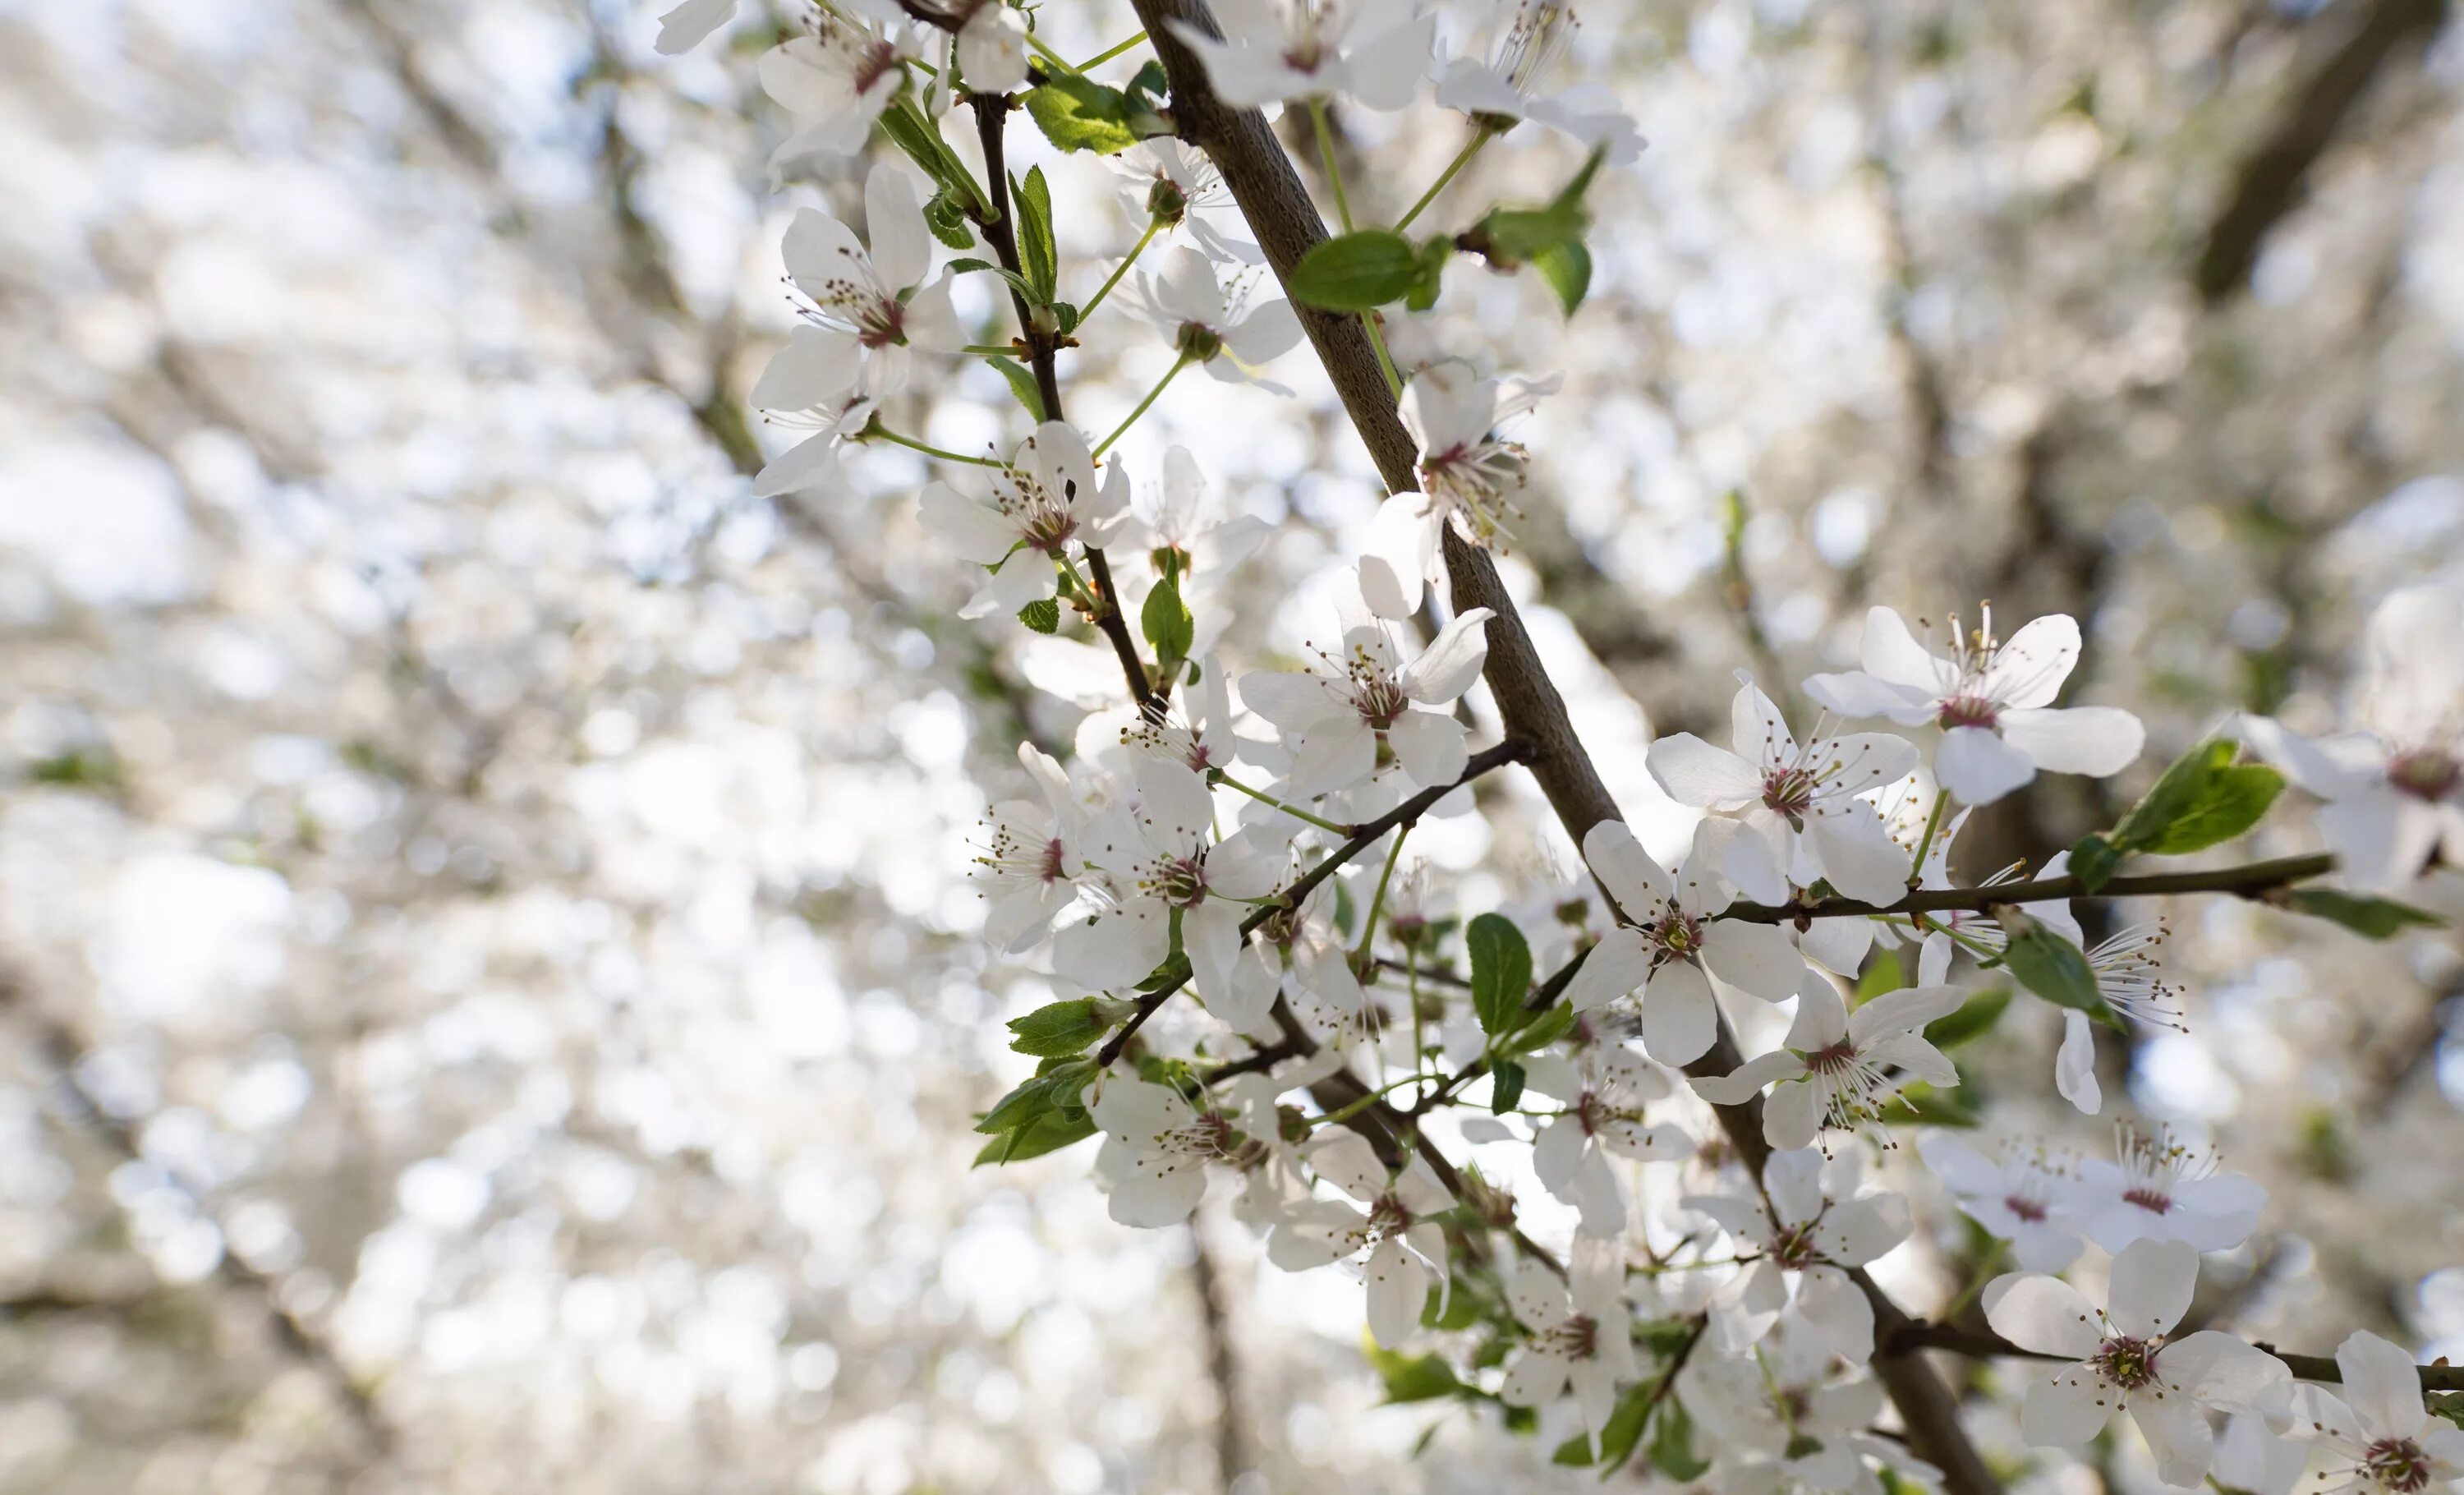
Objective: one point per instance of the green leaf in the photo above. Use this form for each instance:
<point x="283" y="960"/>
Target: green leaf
<point x="1431" y="275"/>
<point x="1167" y="624"/>
<point x="922" y="141"/>
<point x="1077" y="113"/>
<point x="1150" y="83"/>
<point x="1061" y="1029"/>
<point x="1418" y="1377"/>
<point x="1501" y="972"/>
<point x="1543" y="1030"/>
<point x="2053" y="968"/>
<point x="2094" y="859"/>
<point x="1567" y="267"/>
<point x="1505" y="1080"/>
<point x="1052" y="1089"/>
<point x="1065" y="313"/>
<point x="1510" y="236"/>
<point x="1881" y="974"/>
<point x="1048" y="1132"/>
<point x="1022" y="384"/>
<point x="1672" y="1443"/>
<point x="2205" y="798"/>
<point x="1974" y="1018"/>
<point x="947" y="217"/>
<point x="1356" y="271"/>
<point x="2378" y="918"/>
<point x="1042" y="615"/>
<point x="1037" y="253"/>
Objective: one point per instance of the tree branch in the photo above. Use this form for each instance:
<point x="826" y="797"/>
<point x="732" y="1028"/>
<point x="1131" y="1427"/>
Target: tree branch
<point x="2251" y="880"/>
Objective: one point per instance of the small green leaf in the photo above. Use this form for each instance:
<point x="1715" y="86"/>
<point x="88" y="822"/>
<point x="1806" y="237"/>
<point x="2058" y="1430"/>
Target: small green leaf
<point x="1065" y="313"/>
<point x="1431" y="275"/>
<point x="1167" y="624"/>
<point x="1022" y="384"/>
<point x="1501" y="972"/>
<point x="1047" y="1132"/>
<point x="1567" y="267"/>
<point x="1543" y="1030"/>
<point x="1042" y="615"/>
<point x="1505" y="1080"/>
<point x="2053" y="968"/>
<point x="2204" y="798"/>
<point x="1077" y="113"/>
<point x="1063" y="1029"/>
<point x="1672" y="1443"/>
<point x="1418" y="1377"/>
<point x="2094" y="859"/>
<point x="1881" y="974"/>
<point x="1037" y="253"/>
<point x="1051" y="1088"/>
<point x="947" y="217"/>
<point x="2378" y="918"/>
<point x="1356" y="271"/>
<point x="1974" y="1018"/>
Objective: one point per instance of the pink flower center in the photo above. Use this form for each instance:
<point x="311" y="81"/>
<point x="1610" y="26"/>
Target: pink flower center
<point x="1183" y="881"/>
<point x="1834" y="1060"/>
<point x="1789" y="791"/>
<point x="1055" y="864"/>
<point x="2026" y="1208"/>
<point x="878" y="62"/>
<point x="2397" y="1463"/>
<point x="2425" y="774"/>
<point x="1968" y="711"/>
<point x="2154" y="1201"/>
<point x="2126" y="1363"/>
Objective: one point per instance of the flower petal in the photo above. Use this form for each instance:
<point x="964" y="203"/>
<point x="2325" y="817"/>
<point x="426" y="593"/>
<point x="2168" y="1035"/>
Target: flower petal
<point x="1694" y="772"/>
<point x="1452" y="661"/>
<point x="2043" y="1314"/>
<point x="2151" y="1288"/>
<point x="1978" y="768"/>
<point x="2029" y="668"/>
<point x="2382" y="1385"/>
<point x="2095" y="740"/>
<point x="1678" y="1016"/>
<point x="1627" y="871"/>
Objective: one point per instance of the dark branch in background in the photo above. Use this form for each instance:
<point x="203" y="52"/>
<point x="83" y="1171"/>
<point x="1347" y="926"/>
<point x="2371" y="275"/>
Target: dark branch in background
<point x="64" y="1050"/>
<point x="2251" y="880"/>
<point x="1287" y="224"/>
<point x="1000" y="230"/>
<point x="1978" y="1346"/>
<point x="2271" y="179"/>
<point x="1223" y="1366"/>
<point x="1370" y="833"/>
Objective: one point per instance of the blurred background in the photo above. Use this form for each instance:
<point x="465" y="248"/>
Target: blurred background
<point x="489" y="992"/>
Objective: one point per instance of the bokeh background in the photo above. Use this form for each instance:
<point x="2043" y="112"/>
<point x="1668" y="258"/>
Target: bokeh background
<point x="488" y="991"/>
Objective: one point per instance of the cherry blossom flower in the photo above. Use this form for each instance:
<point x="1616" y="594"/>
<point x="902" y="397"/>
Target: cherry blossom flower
<point x="1506" y="87"/>
<point x="2379" y="1436"/>
<point x="1605" y="1094"/>
<point x="1327" y="995"/>
<point x="1807" y="1221"/>
<point x="1393" y="1222"/>
<point x="1584" y="1337"/>
<point x="2127" y="977"/>
<point x="2161" y="1188"/>
<point x="1170" y="758"/>
<point x="1779" y="1417"/>
<point x="991" y="46"/>
<point x="1043" y="499"/>
<point x="1469" y="478"/>
<point x="2121" y="1359"/>
<point x="1800" y="804"/>
<point x="1175" y="186"/>
<point x="1155" y="1148"/>
<point x="2395" y="789"/>
<point x="687" y="25"/>
<point x="1222" y="330"/>
<point x="1993" y="700"/>
<point x="1370" y="52"/>
<point x="1179" y="525"/>
<point x="2015" y="1193"/>
<point x="1840" y="1068"/>
<point x="837" y="80"/>
<point x="1343" y="717"/>
<point x="1161" y="875"/>
<point x="2252" y="1460"/>
<point x="1032" y="858"/>
<point x="1670" y="946"/>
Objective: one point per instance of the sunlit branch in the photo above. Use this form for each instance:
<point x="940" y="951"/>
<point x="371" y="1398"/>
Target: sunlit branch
<point x="2251" y="880"/>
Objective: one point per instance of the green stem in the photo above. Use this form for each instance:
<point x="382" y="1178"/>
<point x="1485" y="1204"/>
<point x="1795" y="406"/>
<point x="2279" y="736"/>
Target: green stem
<point x="1088" y="310"/>
<point x="1122" y="430"/>
<point x="1377" y="899"/>
<point x="1087" y="596"/>
<point x="1363" y="1103"/>
<point x="1051" y="55"/>
<point x="1292" y="810"/>
<point x="1924" y="845"/>
<point x="1325" y="154"/>
<point x="1385" y="359"/>
<point x="1110" y="53"/>
<point x="993" y="349"/>
<point x="884" y="433"/>
<point x="1462" y="158"/>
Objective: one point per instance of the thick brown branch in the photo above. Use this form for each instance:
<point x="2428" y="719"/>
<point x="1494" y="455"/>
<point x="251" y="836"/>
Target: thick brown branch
<point x="1979" y="1345"/>
<point x="2251" y="880"/>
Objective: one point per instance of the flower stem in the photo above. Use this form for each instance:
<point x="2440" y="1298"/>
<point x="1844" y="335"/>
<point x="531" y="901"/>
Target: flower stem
<point x="1377" y="899"/>
<point x="1051" y="55"/>
<point x="1356" y="1107"/>
<point x="1462" y="158"/>
<point x="1110" y="53"/>
<point x="1385" y="361"/>
<point x="1292" y="810"/>
<point x="1088" y="310"/>
<point x="884" y="433"/>
<point x="1325" y="154"/>
<point x="1925" y="844"/>
<point x="1122" y="430"/>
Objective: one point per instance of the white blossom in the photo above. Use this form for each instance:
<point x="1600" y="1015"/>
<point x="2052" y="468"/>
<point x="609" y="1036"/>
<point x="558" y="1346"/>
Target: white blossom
<point x="2379" y="1436"/>
<point x="2161" y="1188"/>
<point x="1780" y="1416"/>
<point x="1507" y="85"/>
<point x="991" y="47"/>
<point x="1469" y="479"/>
<point x="1583" y="1336"/>
<point x="1800" y="804"/>
<point x="1174" y="185"/>
<point x="1044" y="500"/>
<point x="1807" y="1222"/>
<point x="1031" y="860"/>
<point x="1228" y="332"/>
<point x="2395" y="787"/>
<point x="837" y="80"/>
<point x="1161" y="870"/>
<point x="688" y="25"/>
<point x="1993" y="700"/>
<point x="1392" y="1221"/>
<point x="1840" y="1068"/>
<point x="1605" y="1093"/>
<point x="1669" y="946"/>
<point x="1155" y="1148"/>
<point x="1180" y="524"/>
<point x="2127" y="977"/>
<point x="2017" y="1194"/>
<point x="1367" y="51"/>
<point x="2121" y="1359"/>
<point x="1344" y="716"/>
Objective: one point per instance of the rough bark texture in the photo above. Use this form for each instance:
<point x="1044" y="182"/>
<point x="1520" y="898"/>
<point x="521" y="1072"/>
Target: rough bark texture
<point x="1286" y="223"/>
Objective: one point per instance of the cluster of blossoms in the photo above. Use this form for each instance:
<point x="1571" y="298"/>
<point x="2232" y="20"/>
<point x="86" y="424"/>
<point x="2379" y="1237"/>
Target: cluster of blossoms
<point x="1237" y="835"/>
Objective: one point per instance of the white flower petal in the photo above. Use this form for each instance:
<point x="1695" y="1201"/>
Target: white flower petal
<point x="1694" y="772"/>
<point x="2151" y="1287"/>
<point x="2095" y="740"/>
<point x="1978" y="768"/>
<point x="2043" y="1314"/>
